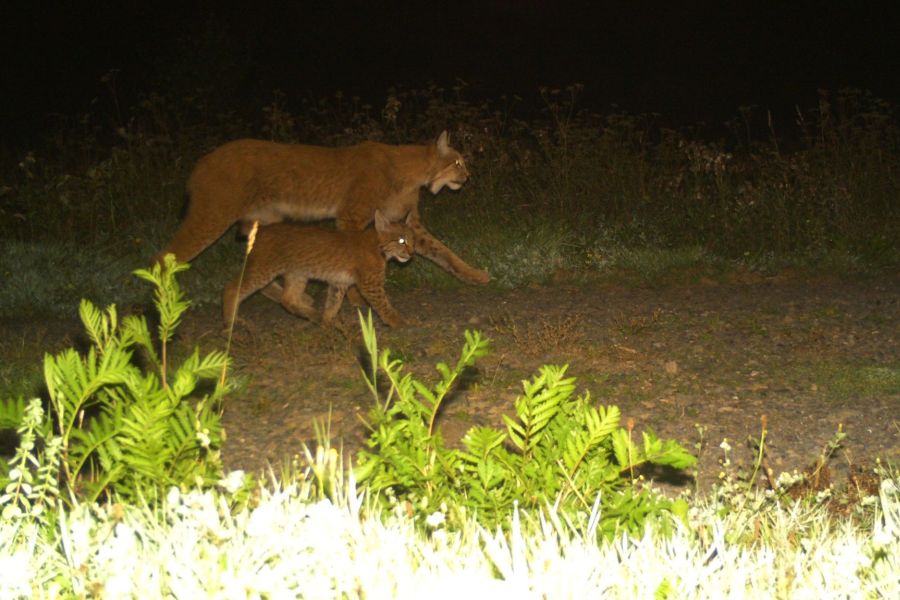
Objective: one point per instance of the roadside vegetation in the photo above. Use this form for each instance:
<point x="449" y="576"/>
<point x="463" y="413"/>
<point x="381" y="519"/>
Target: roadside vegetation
<point x="116" y="489"/>
<point x="111" y="480"/>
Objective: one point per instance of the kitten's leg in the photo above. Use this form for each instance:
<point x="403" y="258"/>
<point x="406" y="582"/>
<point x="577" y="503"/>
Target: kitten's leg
<point x="273" y="291"/>
<point x="253" y="280"/>
<point x="373" y="292"/>
<point x="355" y="298"/>
<point x="354" y="223"/>
<point x="333" y="300"/>
<point x="295" y="299"/>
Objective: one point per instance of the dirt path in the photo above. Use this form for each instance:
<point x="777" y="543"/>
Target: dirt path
<point x="810" y="355"/>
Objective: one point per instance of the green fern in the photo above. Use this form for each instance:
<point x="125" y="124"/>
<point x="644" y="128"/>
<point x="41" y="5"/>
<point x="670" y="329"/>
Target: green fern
<point x="543" y="397"/>
<point x="123" y="431"/>
<point x="169" y="301"/>
<point x="558" y="449"/>
<point x="410" y="455"/>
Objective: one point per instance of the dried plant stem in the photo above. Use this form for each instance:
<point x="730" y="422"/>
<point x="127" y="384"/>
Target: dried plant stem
<point x="251" y="239"/>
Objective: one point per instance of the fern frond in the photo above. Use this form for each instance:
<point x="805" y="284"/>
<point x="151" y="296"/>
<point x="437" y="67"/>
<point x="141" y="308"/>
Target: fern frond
<point x="543" y="397"/>
<point x="666" y="452"/>
<point x="516" y="432"/>
<point x="480" y="441"/>
<point x="624" y="449"/>
<point x="168" y="297"/>
<point x="101" y="326"/>
<point x="134" y="331"/>
<point x="73" y="381"/>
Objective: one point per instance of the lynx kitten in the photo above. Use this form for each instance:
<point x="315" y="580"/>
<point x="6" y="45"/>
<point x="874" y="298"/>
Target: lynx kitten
<point x="341" y="259"/>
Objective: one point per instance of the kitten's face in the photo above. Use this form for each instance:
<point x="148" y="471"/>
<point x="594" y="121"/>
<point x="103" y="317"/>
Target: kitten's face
<point x="396" y="241"/>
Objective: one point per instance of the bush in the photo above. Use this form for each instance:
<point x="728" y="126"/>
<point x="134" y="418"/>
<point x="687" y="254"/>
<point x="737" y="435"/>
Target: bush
<point x="558" y="450"/>
<point x="112" y="428"/>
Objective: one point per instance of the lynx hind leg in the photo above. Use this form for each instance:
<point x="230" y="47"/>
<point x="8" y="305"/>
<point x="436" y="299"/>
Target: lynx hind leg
<point x="334" y="298"/>
<point x="197" y="232"/>
<point x="274" y="291"/>
<point x="255" y="277"/>
<point x="233" y="297"/>
<point x="374" y="294"/>
<point x="295" y="299"/>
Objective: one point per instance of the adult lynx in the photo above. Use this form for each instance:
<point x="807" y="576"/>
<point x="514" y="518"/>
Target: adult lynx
<point x="299" y="253"/>
<point x="252" y="180"/>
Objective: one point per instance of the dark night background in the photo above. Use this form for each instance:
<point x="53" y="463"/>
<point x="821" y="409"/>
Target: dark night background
<point x="689" y="61"/>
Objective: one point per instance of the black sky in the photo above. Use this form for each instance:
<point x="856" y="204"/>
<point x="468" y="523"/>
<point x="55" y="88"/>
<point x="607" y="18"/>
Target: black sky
<point x="688" y="60"/>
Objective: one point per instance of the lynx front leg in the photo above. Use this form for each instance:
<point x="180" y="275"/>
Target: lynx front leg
<point x="333" y="300"/>
<point x="375" y="296"/>
<point x="441" y="255"/>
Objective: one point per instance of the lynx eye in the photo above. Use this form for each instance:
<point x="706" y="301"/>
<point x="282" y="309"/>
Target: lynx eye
<point x="402" y="241"/>
<point x="458" y="163"/>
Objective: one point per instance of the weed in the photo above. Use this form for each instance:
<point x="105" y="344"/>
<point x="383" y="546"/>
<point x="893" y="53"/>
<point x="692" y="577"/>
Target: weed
<point x="557" y="450"/>
<point x="112" y="429"/>
<point x="542" y="335"/>
<point x="636" y="324"/>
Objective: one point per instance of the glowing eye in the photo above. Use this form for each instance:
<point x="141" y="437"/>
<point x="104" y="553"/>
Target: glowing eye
<point x="402" y="240"/>
<point x="458" y="163"/>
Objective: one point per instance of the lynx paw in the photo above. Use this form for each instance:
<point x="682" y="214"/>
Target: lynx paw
<point x="394" y="321"/>
<point x="478" y="276"/>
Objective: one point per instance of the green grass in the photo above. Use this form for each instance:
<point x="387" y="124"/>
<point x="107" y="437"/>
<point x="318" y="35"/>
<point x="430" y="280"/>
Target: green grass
<point x="845" y="381"/>
<point x="20" y="375"/>
<point x="51" y="277"/>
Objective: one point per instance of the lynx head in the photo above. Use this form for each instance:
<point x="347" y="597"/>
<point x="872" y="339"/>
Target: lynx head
<point x="395" y="239"/>
<point x="450" y="168"/>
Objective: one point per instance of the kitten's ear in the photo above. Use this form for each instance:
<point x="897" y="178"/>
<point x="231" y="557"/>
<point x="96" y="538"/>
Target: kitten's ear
<point x="381" y="222"/>
<point x="443" y="143"/>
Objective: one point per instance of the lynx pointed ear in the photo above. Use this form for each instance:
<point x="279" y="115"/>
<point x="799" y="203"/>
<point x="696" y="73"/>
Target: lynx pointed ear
<point x="381" y="222"/>
<point x="409" y="219"/>
<point x="443" y="143"/>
